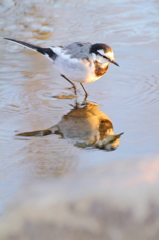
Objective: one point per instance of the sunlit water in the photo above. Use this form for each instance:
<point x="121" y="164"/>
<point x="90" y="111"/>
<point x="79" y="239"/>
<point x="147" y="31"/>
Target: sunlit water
<point x="129" y="95"/>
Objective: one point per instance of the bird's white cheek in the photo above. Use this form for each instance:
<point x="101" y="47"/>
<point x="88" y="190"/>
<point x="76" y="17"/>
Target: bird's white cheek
<point x="100" y="59"/>
<point x="105" y="61"/>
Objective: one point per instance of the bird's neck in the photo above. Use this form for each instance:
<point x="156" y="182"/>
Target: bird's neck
<point x="103" y="64"/>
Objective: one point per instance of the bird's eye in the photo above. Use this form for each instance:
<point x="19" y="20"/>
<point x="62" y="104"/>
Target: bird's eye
<point x="106" y="57"/>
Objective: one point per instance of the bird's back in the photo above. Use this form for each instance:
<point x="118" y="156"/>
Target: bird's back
<point x="79" y="50"/>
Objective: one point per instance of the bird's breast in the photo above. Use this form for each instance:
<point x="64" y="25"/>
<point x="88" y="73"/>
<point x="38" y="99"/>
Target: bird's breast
<point x="99" y="69"/>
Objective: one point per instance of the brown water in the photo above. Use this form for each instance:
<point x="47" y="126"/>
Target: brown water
<point x="129" y="95"/>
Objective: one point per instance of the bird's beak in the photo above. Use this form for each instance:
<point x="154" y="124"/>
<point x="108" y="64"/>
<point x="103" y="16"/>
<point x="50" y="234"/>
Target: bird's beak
<point x="118" y="135"/>
<point x="115" y="63"/>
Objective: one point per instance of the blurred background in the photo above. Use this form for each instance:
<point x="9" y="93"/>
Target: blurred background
<point x="129" y="95"/>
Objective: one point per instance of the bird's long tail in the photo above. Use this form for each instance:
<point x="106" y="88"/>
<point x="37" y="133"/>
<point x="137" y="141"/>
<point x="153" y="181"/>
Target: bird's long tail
<point x="45" y="51"/>
<point x="53" y="130"/>
<point x="35" y="133"/>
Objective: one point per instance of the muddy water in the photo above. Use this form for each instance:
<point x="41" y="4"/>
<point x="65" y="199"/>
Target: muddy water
<point x="128" y="95"/>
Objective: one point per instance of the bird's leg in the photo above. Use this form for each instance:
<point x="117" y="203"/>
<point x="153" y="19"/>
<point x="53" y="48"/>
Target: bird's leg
<point x="76" y="105"/>
<point x="74" y="86"/>
<point x="86" y="94"/>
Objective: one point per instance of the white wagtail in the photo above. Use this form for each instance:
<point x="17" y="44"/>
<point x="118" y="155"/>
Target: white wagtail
<point x="86" y="126"/>
<point x="79" y="61"/>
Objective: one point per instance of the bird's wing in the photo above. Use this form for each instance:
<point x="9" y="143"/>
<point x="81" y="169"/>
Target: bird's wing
<point x="78" y="50"/>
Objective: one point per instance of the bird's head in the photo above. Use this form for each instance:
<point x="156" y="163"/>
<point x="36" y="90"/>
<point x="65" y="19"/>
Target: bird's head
<point x="110" y="142"/>
<point x="104" y="52"/>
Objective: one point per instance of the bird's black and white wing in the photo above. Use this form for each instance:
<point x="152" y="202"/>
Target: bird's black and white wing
<point x="77" y="50"/>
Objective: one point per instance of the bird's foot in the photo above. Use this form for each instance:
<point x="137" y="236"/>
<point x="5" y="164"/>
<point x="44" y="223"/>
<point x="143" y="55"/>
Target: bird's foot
<point x="70" y="88"/>
<point x="74" y="88"/>
<point x="85" y="102"/>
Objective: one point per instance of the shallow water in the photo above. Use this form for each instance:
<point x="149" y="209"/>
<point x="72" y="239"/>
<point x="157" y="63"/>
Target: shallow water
<point x="129" y="95"/>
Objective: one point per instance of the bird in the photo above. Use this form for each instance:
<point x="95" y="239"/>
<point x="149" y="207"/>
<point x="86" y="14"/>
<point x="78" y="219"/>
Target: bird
<point x="85" y="126"/>
<point x="81" y="62"/>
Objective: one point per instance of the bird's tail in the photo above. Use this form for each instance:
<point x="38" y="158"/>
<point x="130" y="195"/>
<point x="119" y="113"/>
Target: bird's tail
<point x="45" y="51"/>
<point x="53" y="130"/>
<point x="35" y="133"/>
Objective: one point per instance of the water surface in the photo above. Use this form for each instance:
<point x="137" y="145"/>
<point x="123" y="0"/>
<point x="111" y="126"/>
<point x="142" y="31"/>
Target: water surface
<point x="129" y="95"/>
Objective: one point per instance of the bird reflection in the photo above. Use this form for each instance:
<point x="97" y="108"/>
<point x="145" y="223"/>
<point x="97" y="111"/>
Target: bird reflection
<point x="86" y="126"/>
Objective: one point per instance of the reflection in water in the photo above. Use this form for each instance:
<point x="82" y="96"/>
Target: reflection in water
<point x="86" y="125"/>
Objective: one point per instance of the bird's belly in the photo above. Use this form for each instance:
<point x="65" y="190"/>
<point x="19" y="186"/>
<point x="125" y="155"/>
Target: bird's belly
<point x="76" y="70"/>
